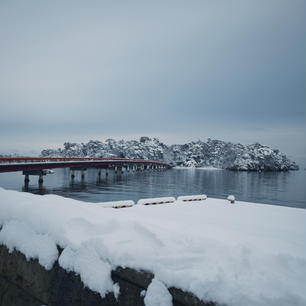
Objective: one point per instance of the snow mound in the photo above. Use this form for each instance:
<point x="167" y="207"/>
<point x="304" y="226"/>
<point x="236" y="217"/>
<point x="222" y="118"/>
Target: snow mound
<point x="85" y="260"/>
<point x="242" y="254"/>
<point x="157" y="294"/>
<point x="149" y="201"/>
<point x="19" y="235"/>
<point x="200" y="197"/>
<point x="118" y="204"/>
<point x="231" y="198"/>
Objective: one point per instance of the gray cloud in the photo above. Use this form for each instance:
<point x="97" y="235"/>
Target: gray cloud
<point x="171" y="69"/>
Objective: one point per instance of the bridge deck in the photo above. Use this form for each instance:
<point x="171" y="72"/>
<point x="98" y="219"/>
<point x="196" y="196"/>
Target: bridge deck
<point x="40" y="163"/>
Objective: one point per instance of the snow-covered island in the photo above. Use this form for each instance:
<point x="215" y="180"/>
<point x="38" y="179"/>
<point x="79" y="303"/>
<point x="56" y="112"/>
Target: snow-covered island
<point x="229" y="254"/>
<point x="212" y="153"/>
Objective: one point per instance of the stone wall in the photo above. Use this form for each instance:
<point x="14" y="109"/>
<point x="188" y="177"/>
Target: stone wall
<point x="27" y="283"/>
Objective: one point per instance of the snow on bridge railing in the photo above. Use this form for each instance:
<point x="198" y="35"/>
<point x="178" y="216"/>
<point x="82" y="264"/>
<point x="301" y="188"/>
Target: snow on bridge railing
<point x="13" y="160"/>
<point x="43" y="159"/>
<point x="46" y="159"/>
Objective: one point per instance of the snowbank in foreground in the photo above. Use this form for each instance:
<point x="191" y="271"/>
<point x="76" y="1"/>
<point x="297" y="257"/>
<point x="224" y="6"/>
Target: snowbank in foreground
<point x="236" y="254"/>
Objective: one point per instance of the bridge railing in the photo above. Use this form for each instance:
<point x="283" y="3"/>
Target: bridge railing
<point x="19" y="160"/>
<point x="50" y="159"/>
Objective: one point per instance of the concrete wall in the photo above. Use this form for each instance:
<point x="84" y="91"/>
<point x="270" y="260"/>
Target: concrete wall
<point x="27" y="283"/>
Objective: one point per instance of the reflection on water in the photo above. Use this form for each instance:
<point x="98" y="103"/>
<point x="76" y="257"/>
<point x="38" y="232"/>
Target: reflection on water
<point x="280" y="188"/>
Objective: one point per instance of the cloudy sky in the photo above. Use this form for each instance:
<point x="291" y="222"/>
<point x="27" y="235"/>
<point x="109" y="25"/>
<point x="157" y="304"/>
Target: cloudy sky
<point x="177" y="70"/>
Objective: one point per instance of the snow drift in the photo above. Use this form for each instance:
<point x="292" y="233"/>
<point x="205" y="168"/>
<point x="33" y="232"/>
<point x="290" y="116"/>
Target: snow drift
<point x="236" y="254"/>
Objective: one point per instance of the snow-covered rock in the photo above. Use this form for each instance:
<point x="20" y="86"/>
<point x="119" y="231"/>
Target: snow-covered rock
<point x="231" y="198"/>
<point x="149" y="201"/>
<point x="118" y="204"/>
<point x="200" y="197"/>
<point x="196" y="154"/>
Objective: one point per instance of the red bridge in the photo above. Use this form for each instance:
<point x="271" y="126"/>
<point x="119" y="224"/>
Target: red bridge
<point x="40" y="165"/>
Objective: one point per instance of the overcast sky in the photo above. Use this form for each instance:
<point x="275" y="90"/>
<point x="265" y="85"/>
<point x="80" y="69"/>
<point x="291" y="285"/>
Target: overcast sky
<point x="176" y="70"/>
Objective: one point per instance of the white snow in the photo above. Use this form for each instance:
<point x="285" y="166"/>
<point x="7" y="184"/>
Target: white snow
<point x="157" y="294"/>
<point x="156" y="200"/>
<point x="208" y="168"/>
<point x="19" y="235"/>
<point x="231" y="198"/>
<point x="85" y="260"/>
<point x="242" y="254"/>
<point x="118" y="204"/>
<point x="192" y="197"/>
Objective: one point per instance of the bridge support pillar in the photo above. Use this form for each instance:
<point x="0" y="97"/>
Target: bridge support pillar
<point x="73" y="169"/>
<point x="39" y="173"/>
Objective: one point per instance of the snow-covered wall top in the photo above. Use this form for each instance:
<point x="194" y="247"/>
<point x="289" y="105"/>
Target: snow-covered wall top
<point x="212" y="153"/>
<point x="235" y="254"/>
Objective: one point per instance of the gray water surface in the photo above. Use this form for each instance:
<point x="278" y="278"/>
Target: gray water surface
<point x="278" y="188"/>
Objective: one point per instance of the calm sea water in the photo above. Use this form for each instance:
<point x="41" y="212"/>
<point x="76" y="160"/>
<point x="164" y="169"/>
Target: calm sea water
<point x="278" y="188"/>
